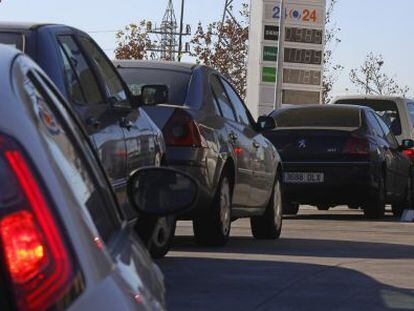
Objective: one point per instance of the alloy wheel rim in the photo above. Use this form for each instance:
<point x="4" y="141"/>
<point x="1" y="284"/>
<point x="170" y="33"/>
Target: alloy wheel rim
<point x="225" y="207"/>
<point x="277" y="206"/>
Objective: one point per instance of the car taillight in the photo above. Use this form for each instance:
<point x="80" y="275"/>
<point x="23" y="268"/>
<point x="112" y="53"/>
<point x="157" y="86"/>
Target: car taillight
<point x="182" y="131"/>
<point x="409" y="153"/>
<point x="356" y="146"/>
<point x="36" y="258"/>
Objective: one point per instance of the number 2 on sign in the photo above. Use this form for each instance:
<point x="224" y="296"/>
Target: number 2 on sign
<point x="276" y="12"/>
<point x="309" y="15"/>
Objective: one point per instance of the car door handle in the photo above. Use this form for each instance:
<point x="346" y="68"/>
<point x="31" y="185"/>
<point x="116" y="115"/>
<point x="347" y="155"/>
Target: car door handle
<point x="256" y="145"/>
<point x="93" y="122"/>
<point x="125" y="123"/>
<point x="233" y="136"/>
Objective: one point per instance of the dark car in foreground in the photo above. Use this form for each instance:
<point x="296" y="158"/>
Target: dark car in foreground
<point x="124" y="136"/>
<point x="210" y="134"/>
<point x="340" y="154"/>
<point x="65" y="243"/>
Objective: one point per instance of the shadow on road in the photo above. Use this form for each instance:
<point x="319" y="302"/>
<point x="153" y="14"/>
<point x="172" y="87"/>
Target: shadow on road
<point x="303" y="247"/>
<point x="346" y="216"/>
<point x="220" y="284"/>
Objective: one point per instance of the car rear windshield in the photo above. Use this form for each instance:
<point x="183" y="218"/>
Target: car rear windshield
<point x="13" y="39"/>
<point x="323" y="117"/>
<point x="177" y="81"/>
<point x="386" y="109"/>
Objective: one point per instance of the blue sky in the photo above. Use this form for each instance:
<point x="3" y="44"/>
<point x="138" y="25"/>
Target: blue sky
<point x="381" y="26"/>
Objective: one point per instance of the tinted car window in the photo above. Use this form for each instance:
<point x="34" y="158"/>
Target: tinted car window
<point x="223" y="101"/>
<point x="15" y="40"/>
<point x="237" y="103"/>
<point x="387" y="110"/>
<point x="318" y="117"/>
<point x="82" y="85"/>
<point x="70" y="161"/>
<point x="112" y="82"/>
<point x="177" y="82"/>
<point x="410" y="107"/>
<point x="389" y="136"/>
<point x="376" y="128"/>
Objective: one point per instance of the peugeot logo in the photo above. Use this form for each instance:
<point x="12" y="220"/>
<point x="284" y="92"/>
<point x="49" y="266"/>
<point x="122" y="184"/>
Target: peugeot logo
<point x="302" y="144"/>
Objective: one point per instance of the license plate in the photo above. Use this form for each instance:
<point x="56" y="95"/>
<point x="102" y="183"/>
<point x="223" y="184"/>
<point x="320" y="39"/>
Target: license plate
<point x="304" y="178"/>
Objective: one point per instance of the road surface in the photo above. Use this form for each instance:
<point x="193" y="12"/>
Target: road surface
<point x="333" y="260"/>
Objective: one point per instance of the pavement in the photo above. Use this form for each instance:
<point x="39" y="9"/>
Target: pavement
<point x="334" y="260"/>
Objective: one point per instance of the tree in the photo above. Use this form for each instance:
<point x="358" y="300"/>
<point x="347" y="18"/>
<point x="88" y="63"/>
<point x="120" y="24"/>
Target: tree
<point x="371" y="79"/>
<point x="133" y="42"/>
<point x="331" y="69"/>
<point x="224" y="47"/>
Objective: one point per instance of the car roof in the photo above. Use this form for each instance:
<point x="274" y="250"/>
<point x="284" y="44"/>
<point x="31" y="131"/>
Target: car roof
<point x="150" y="64"/>
<point x="369" y="97"/>
<point x="23" y="26"/>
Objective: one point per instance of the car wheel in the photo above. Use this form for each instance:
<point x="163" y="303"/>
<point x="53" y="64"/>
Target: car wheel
<point x="162" y="237"/>
<point x="399" y="207"/>
<point x="213" y="228"/>
<point x="269" y="225"/>
<point x="290" y="209"/>
<point x="375" y="208"/>
<point x="323" y="207"/>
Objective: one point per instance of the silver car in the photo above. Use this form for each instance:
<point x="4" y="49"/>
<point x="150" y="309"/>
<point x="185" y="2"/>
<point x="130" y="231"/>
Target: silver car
<point x="64" y="241"/>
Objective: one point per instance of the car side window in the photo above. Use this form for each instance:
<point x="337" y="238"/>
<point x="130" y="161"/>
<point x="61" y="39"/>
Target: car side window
<point x="71" y="159"/>
<point x="375" y="127"/>
<point x="410" y="106"/>
<point x="389" y="136"/>
<point x="111" y="80"/>
<point x="238" y="105"/>
<point x="224" y="104"/>
<point x="81" y="82"/>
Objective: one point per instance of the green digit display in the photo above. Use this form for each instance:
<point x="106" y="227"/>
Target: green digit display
<point x="270" y="54"/>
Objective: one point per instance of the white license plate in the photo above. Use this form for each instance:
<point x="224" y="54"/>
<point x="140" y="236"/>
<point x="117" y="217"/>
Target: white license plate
<point x="304" y="178"/>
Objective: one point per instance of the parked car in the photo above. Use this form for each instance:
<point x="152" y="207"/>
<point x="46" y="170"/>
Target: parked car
<point x="340" y="154"/>
<point x="64" y="240"/>
<point x="396" y="112"/>
<point x="210" y="134"/>
<point x="124" y="136"/>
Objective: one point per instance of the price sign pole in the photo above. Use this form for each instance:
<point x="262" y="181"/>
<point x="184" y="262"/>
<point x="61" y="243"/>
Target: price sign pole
<point x="285" y="60"/>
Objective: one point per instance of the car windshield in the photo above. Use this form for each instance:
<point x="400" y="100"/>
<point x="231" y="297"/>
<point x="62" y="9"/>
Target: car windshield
<point x="386" y="109"/>
<point x="316" y="117"/>
<point x="177" y="81"/>
<point x="13" y="39"/>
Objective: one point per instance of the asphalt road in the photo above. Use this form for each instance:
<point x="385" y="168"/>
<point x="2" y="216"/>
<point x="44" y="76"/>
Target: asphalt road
<point x="332" y="260"/>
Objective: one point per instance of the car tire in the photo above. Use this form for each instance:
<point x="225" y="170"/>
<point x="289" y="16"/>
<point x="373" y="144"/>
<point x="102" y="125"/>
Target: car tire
<point x="375" y="208"/>
<point x="213" y="228"/>
<point x="162" y="237"/>
<point x="290" y="209"/>
<point x="269" y="225"/>
<point x="323" y="207"/>
<point x="399" y="207"/>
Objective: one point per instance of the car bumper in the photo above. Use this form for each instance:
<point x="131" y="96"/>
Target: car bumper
<point x="193" y="161"/>
<point x="344" y="183"/>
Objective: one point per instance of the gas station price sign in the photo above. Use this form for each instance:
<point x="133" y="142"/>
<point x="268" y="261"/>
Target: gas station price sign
<point x="285" y="62"/>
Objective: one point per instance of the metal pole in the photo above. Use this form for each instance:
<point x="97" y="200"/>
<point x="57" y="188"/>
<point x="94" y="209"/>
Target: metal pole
<point x="279" y="81"/>
<point x="180" y="41"/>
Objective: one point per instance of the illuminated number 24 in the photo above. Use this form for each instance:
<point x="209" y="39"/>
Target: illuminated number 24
<point x="309" y="15"/>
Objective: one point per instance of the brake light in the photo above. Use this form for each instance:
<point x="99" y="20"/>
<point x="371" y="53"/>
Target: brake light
<point x="409" y="153"/>
<point x="36" y="258"/>
<point x="357" y="146"/>
<point x="182" y="131"/>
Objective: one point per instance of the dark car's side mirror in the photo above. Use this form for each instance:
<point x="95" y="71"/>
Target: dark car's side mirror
<point x="266" y="123"/>
<point x="161" y="191"/>
<point x="407" y="144"/>
<point x="152" y="95"/>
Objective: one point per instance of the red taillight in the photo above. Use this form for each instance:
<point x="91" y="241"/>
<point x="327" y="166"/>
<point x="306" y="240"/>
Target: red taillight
<point x="182" y="131"/>
<point x="409" y="153"/>
<point x="36" y="258"/>
<point x="356" y="146"/>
